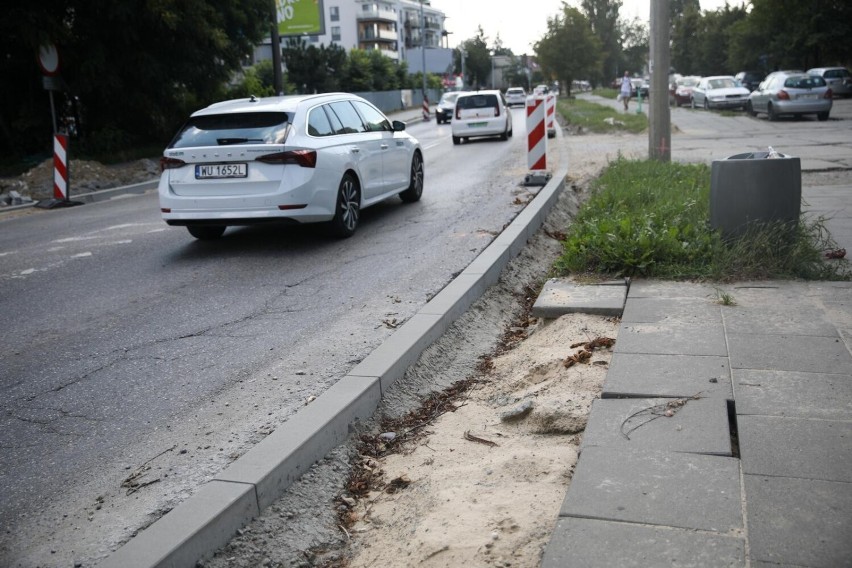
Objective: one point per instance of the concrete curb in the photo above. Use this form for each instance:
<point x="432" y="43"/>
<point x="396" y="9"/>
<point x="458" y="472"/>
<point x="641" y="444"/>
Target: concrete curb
<point x="208" y="520"/>
<point x="95" y="196"/>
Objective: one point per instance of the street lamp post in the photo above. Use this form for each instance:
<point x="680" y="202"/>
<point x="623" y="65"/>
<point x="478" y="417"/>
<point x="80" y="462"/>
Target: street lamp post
<point x="423" y="47"/>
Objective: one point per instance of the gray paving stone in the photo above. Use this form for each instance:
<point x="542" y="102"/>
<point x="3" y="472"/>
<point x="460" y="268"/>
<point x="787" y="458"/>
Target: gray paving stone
<point x="793" y="393"/>
<point x="690" y="491"/>
<point x="789" y="353"/>
<point x="799" y="522"/>
<point x="671" y="338"/>
<point x="668" y="289"/>
<point x="560" y="296"/>
<point x="682" y="310"/>
<point x="639" y="375"/>
<point x="778" y="320"/>
<point x="587" y="543"/>
<point x="699" y="426"/>
<point x="795" y="447"/>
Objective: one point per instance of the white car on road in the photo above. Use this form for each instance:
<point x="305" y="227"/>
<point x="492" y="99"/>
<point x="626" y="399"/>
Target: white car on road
<point x="297" y="159"/>
<point x="516" y="96"/>
<point x="481" y="113"/>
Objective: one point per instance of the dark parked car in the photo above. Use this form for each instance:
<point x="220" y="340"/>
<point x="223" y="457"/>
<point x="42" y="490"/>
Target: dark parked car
<point x="750" y="79"/>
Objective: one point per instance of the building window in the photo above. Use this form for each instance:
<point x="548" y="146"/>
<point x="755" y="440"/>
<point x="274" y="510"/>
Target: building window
<point x="334" y="13"/>
<point x="335" y="33"/>
<point x="313" y="39"/>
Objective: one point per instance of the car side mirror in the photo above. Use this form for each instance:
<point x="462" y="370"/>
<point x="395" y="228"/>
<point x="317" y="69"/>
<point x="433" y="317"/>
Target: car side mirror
<point x="398" y="126"/>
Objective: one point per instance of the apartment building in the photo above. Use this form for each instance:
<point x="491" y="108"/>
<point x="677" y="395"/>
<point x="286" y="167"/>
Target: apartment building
<point x="394" y="27"/>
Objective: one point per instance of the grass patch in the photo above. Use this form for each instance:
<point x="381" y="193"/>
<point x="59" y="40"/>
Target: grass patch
<point x="599" y="118"/>
<point x="606" y="92"/>
<point x="651" y="219"/>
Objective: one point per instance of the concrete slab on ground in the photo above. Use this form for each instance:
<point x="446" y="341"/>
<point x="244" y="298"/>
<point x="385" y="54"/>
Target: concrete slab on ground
<point x="560" y="296"/>
<point x="589" y="542"/>
<point x="642" y="375"/>
<point x="816" y="354"/>
<point x="799" y="522"/>
<point x="793" y="394"/>
<point x="690" y="491"/>
<point x="672" y="338"/>
<point x="699" y="311"/>
<point x="812" y="449"/>
<point x="696" y="426"/>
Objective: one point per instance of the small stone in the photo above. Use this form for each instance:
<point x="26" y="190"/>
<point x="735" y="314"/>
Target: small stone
<point x="388" y="436"/>
<point x="518" y="412"/>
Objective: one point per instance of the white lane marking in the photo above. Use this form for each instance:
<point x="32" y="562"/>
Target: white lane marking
<point x="74" y="239"/>
<point x="433" y="144"/>
<point x="26" y="272"/>
<point x="8" y="253"/>
<point x="81" y="255"/>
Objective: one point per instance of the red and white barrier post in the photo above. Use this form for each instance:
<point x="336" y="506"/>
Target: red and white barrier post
<point x="425" y="108"/>
<point x="536" y="142"/>
<point x="60" y="166"/>
<point x="550" y="112"/>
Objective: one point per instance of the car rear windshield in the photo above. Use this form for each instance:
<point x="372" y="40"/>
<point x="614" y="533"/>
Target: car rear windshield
<point x="722" y="83"/>
<point x="477" y="101"/>
<point x="804" y="82"/>
<point x="233" y="128"/>
<point x="515" y="92"/>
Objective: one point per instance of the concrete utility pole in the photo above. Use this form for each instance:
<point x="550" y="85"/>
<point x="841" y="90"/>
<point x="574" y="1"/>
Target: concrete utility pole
<point x="275" y="41"/>
<point x="660" y="132"/>
<point x="423" y="46"/>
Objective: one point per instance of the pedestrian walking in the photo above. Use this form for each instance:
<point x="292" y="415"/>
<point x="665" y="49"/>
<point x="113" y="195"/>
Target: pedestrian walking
<point x="626" y="90"/>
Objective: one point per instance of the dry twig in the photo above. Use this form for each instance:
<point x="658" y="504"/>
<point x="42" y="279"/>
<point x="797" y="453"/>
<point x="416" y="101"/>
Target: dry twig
<point x="662" y="410"/>
<point x="472" y="438"/>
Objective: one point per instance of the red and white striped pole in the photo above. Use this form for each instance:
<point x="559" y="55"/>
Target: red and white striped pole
<point x="425" y="108"/>
<point x="536" y="139"/>
<point x="60" y="167"/>
<point x="550" y="111"/>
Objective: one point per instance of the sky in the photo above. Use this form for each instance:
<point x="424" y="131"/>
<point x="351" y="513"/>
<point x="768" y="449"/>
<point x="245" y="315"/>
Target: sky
<point x="521" y="23"/>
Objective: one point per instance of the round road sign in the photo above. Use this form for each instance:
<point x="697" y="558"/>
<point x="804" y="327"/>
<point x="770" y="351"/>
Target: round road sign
<point x="48" y="59"/>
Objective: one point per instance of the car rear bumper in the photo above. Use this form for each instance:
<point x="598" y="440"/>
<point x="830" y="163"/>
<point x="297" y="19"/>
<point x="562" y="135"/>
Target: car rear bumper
<point x="802" y="107"/>
<point x="479" y="127"/>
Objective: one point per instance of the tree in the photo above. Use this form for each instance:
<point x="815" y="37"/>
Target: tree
<point x="685" y="53"/>
<point x="477" y="59"/>
<point x="603" y="19"/>
<point x="635" y="45"/>
<point x="136" y="66"/>
<point x="569" y="50"/>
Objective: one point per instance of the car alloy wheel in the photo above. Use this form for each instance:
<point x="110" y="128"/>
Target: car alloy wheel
<point x="750" y="109"/>
<point x="348" y="209"/>
<point x="770" y="110"/>
<point x="415" y="186"/>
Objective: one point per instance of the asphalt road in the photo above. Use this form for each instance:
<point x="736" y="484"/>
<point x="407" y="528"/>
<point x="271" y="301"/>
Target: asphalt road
<point x="123" y="338"/>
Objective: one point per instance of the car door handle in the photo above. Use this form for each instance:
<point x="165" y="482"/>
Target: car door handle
<point x="355" y="149"/>
<point x="384" y="146"/>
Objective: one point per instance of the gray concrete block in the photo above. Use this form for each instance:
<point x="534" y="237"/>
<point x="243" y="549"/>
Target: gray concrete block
<point x="789" y="353"/>
<point x="671" y="338"/>
<point x="794" y="394"/>
<point x="669" y="289"/>
<point x="283" y="456"/>
<point x="691" y="491"/>
<point x="795" y="447"/>
<point x="698" y="311"/>
<point x="699" y="426"/>
<point x="776" y="319"/>
<point x="490" y="263"/>
<point x="639" y="375"/>
<point x="588" y="543"/>
<point x="391" y="359"/>
<point x="799" y="522"/>
<point x="560" y="296"/>
<point x="203" y="523"/>
<point x="456" y="297"/>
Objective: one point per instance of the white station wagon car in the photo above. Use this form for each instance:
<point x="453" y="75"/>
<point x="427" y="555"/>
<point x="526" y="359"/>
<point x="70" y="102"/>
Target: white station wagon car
<point x="481" y="113"/>
<point x="297" y="159"/>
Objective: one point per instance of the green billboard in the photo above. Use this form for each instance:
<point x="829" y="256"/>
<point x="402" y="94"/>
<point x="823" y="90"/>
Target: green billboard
<point x="300" y="17"/>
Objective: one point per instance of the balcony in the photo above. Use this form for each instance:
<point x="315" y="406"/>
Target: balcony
<point x="377" y="15"/>
<point x="386" y="50"/>
<point x="378" y="35"/>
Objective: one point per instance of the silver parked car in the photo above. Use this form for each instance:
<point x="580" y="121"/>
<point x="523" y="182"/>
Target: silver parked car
<point x="791" y="93"/>
<point x="718" y="91"/>
<point x="837" y="78"/>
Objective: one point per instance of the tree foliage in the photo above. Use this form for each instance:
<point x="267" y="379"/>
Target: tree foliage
<point x="569" y="50"/>
<point x="477" y="59"/>
<point x="603" y="19"/>
<point x="136" y="67"/>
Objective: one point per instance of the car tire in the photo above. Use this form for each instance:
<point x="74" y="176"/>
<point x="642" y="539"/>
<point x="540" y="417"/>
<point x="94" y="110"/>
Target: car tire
<point x="822" y="116"/>
<point x="706" y="104"/>
<point x="750" y="109"/>
<point x="347" y="208"/>
<point x="206" y="232"/>
<point x="511" y="131"/>
<point x="505" y="135"/>
<point x="691" y="102"/>
<point x="456" y="140"/>
<point x="770" y="110"/>
<point x="415" y="184"/>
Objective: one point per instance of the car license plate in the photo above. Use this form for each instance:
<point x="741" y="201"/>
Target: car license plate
<point x="218" y="171"/>
<point x="809" y="96"/>
<point x="477" y="124"/>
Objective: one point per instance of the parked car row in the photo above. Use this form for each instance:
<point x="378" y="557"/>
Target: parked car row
<point x="791" y="93"/>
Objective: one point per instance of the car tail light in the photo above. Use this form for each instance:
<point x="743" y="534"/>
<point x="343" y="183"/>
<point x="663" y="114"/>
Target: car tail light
<point x="783" y="96"/>
<point x="497" y="109"/>
<point x="304" y="158"/>
<point x="170" y="164"/>
<point x="458" y="113"/>
<point x="828" y="94"/>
